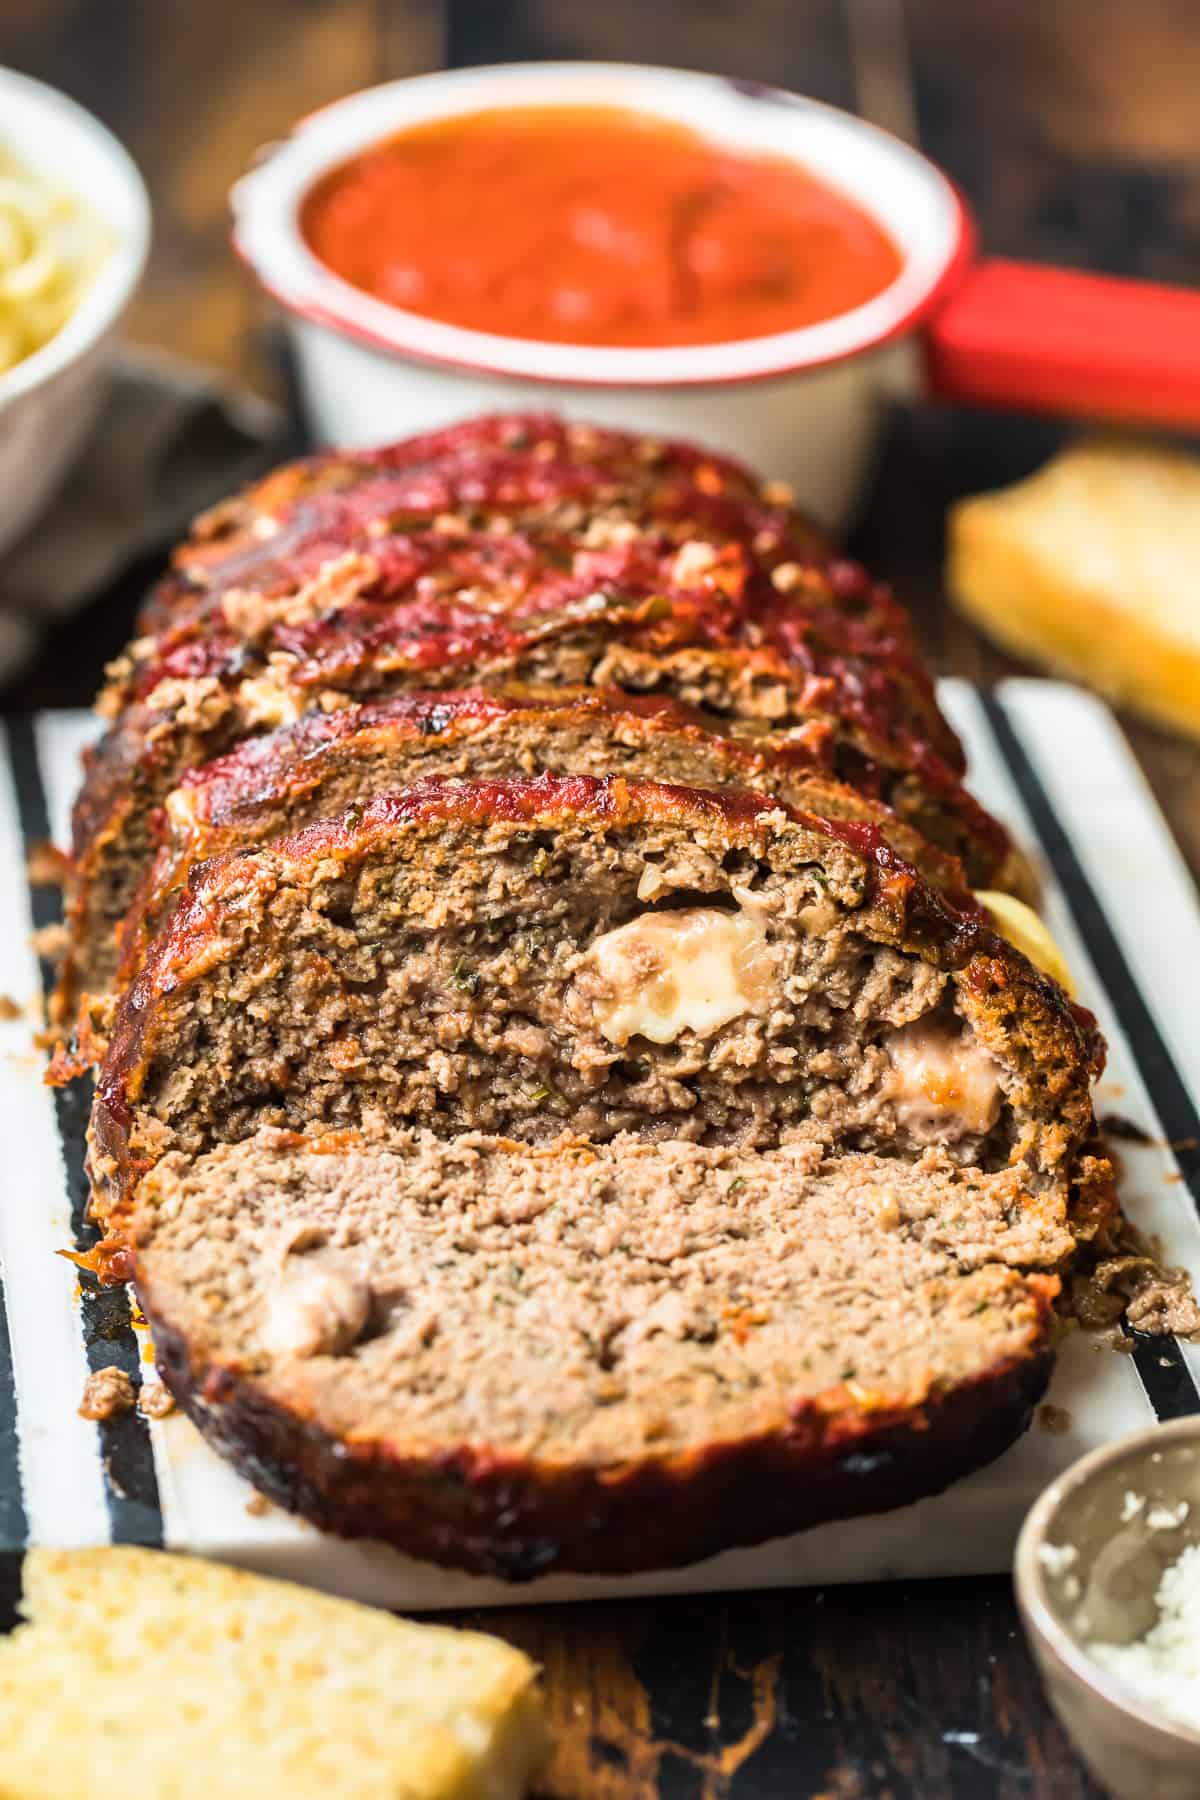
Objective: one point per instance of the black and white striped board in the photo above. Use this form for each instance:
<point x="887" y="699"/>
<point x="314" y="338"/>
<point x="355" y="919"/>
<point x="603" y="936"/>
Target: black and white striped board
<point x="1048" y="759"/>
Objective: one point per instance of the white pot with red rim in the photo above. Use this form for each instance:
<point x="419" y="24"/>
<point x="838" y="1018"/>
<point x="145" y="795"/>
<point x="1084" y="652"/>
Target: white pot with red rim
<point x="803" y="405"/>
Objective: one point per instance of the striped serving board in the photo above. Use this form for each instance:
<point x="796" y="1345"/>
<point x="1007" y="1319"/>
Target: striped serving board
<point x="1048" y="759"/>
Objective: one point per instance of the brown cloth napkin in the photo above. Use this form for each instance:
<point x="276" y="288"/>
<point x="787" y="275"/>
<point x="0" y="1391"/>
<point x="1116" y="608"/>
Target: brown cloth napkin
<point x="172" y="439"/>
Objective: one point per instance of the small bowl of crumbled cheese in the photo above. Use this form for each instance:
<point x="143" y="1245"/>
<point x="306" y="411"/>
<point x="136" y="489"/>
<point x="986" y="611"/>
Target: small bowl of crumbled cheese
<point x="1108" y="1581"/>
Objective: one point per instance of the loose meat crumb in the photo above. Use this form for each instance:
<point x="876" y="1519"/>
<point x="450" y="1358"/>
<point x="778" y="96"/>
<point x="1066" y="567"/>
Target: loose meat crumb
<point x="155" y="1400"/>
<point x="1136" y="1285"/>
<point x="1162" y="1302"/>
<point x="106" y="1394"/>
<point x="51" y="941"/>
<point x="47" y="866"/>
<point x="9" y="1008"/>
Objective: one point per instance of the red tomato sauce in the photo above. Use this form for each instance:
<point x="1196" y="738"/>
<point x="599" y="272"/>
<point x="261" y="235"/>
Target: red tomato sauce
<point x="593" y="225"/>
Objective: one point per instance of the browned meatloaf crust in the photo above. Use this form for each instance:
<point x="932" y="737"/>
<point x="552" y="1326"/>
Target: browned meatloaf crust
<point x="514" y="1360"/>
<point x="499" y="474"/>
<point x="512" y="549"/>
<point x="465" y="955"/>
<point x="272" y="786"/>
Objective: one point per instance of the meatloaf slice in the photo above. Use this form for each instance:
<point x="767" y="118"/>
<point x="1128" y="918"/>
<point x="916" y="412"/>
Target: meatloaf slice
<point x="416" y="546"/>
<point x="866" y="722"/>
<point x="869" y="747"/>
<point x="184" y="724"/>
<point x="504" y="549"/>
<point x="195" y="699"/>
<point x="271" y="786"/>
<point x="603" y="1359"/>
<point x="561" y="953"/>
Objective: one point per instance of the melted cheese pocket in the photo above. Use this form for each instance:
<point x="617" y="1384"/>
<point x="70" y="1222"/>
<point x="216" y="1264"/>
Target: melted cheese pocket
<point x="938" y="1080"/>
<point x="316" y="1311"/>
<point x="669" y="972"/>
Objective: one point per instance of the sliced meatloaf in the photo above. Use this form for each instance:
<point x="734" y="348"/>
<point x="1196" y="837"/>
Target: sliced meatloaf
<point x="516" y="1359"/>
<point x="511" y="549"/>
<point x="271" y="786"/>
<point x="755" y="690"/>
<point x="532" y="956"/>
<point x="184" y="724"/>
<point x="403" y="552"/>
<point x="191" y="701"/>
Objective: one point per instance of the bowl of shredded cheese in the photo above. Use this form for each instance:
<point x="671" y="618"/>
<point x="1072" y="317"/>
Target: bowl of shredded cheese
<point x="1108" y="1581"/>
<point x="74" y="231"/>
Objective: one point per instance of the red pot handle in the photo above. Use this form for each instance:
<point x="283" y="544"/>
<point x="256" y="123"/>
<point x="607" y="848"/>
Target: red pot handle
<point x="1051" y="340"/>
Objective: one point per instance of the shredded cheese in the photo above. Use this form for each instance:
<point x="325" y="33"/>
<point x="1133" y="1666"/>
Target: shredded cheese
<point x="50" y="250"/>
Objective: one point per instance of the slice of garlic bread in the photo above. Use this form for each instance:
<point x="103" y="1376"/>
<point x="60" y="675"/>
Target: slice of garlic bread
<point x="1090" y="567"/>
<point x="143" y="1673"/>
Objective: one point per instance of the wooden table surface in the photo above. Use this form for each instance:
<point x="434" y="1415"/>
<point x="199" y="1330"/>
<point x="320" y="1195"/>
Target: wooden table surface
<point x="1075" y="131"/>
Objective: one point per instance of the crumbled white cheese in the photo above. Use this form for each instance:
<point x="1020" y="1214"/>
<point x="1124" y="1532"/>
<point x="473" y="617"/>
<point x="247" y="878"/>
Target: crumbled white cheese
<point x="1167" y="1518"/>
<point x="1131" y="1506"/>
<point x="651" y="882"/>
<point x="182" y="809"/>
<point x="267" y="700"/>
<point x="1163" y="1668"/>
<point x="693" y="560"/>
<point x="1056" y="1558"/>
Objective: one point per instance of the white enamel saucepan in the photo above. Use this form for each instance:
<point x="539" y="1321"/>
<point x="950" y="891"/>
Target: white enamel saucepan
<point x="803" y="404"/>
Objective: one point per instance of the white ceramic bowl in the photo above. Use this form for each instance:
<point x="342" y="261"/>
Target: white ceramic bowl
<point x="49" y="401"/>
<point x="800" y="404"/>
<point x="1087" y="1568"/>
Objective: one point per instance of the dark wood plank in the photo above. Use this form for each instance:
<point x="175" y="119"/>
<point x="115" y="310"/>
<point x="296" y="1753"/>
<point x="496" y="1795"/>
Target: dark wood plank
<point x="1088" y="78"/>
<point x="412" y="37"/>
<point x="911" y="1690"/>
<point x="1072" y="127"/>
<point x="759" y="40"/>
